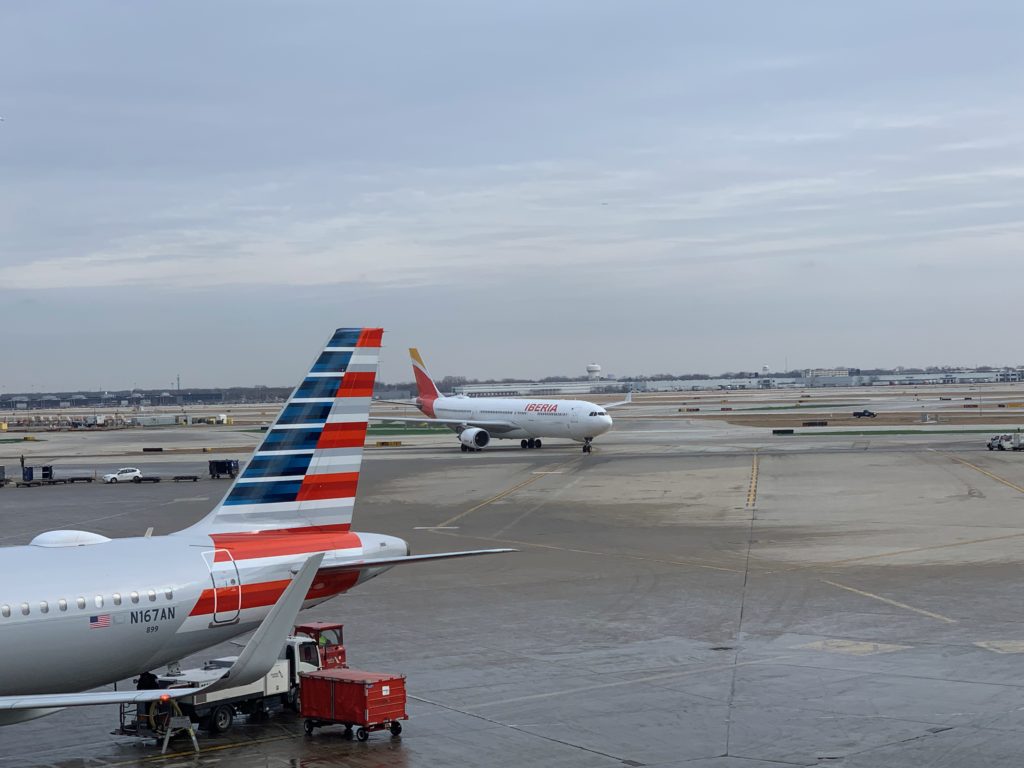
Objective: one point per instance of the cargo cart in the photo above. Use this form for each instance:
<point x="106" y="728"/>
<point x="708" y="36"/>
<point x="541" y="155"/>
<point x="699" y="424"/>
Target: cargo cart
<point x="363" y="701"/>
<point x="223" y="468"/>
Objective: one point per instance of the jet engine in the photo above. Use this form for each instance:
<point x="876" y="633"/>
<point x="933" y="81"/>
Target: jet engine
<point x="474" y="438"/>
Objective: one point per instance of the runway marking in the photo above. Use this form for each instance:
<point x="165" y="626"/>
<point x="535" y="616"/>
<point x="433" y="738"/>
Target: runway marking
<point x="548" y="472"/>
<point x="752" y="490"/>
<point x="498" y="497"/>
<point x="540" y="505"/>
<point x="851" y="647"/>
<point x="886" y="600"/>
<point x="436" y="528"/>
<point x="985" y="472"/>
<point x="908" y="551"/>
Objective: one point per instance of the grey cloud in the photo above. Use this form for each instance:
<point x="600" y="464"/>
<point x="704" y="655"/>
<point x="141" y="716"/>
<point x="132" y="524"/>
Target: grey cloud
<point x="509" y="186"/>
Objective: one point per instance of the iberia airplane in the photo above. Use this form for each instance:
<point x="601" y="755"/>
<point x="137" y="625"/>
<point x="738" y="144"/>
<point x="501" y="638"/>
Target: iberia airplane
<point x="477" y="419"/>
<point x="79" y="610"/>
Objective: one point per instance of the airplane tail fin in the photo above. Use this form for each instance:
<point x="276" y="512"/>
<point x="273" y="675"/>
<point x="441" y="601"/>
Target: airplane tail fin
<point x="304" y="474"/>
<point x="426" y="389"/>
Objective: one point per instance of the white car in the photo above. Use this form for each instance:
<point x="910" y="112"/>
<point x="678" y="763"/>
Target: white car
<point x="123" y="475"/>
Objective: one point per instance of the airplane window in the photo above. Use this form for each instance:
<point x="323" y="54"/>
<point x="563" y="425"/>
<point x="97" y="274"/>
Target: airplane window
<point x="117" y="598"/>
<point x="44" y="607"/>
<point x="25" y="609"/>
<point x="99" y="601"/>
<point x="80" y="602"/>
<point x="6" y="611"/>
<point x="135" y="597"/>
<point x="152" y="595"/>
<point x="169" y="594"/>
<point x="62" y="604"/>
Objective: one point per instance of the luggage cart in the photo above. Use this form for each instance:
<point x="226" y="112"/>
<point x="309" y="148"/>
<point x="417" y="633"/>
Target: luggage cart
<point x="360" y="701"/>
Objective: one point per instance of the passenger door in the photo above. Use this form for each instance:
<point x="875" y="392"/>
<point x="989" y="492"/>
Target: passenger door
<point x="227" y="586"/>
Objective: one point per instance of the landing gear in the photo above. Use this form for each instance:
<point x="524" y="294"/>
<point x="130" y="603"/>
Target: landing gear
<point x="526" y="444"/>
<point x="464" y="448"/>
<point x="587" y="444"/>
<point x="531" y="443"/>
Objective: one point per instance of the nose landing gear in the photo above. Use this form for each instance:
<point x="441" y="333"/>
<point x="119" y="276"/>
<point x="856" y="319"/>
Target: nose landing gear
<point x="587" y="447"/>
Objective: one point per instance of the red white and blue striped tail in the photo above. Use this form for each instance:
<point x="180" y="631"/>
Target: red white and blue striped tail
<point x="304" y="474"/>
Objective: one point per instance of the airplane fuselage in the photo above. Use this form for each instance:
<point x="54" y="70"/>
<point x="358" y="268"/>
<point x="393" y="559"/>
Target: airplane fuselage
<point x="573" y="419"/>
<point x="77" y="617"/>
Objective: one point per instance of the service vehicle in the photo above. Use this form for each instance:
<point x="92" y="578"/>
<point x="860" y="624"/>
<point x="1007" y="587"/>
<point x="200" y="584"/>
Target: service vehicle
<point x="864" y="414"/>
<point x="1007" y="442"/>
<point x="123" y="475"/>
<point x="313" y="647"/>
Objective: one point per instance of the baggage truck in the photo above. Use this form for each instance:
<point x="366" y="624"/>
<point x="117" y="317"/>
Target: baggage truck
<point x="306" y="650"/>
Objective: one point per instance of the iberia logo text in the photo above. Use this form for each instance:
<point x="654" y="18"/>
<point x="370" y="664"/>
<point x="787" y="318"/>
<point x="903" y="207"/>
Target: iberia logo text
<point x="542" y="407"/>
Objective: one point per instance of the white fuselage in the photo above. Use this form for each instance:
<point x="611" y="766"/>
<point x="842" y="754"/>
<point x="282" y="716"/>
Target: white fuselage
<point x="76" y="617"/>
<point x="573" y="419"/>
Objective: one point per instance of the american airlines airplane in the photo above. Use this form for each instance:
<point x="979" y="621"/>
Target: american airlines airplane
<point x="79" y="610"/>
<point x="477" y="419"/>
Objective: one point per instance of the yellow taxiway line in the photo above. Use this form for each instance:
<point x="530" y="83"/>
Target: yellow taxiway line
<point x="507" y="492"/>
<point x="752" y="489"/>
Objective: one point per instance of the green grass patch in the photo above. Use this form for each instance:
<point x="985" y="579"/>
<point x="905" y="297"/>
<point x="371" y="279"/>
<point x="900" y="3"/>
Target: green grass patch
<point x="895" y="432"/>
<point x="801" y="407"/>
<point x="395" y="429"/>
<point x="407" y="430"/>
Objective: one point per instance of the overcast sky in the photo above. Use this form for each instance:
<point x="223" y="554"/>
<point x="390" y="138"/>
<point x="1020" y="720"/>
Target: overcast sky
<point x="519" y="189"/>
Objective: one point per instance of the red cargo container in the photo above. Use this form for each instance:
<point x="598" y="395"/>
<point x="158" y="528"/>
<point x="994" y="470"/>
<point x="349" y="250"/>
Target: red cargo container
<point x="369" y="701"/>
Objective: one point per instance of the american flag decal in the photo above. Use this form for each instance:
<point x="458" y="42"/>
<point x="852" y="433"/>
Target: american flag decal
<point x="99" y="622"/>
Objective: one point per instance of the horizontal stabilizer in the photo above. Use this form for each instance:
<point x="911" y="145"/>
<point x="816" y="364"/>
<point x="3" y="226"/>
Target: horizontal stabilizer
<point x="362" y="565"/>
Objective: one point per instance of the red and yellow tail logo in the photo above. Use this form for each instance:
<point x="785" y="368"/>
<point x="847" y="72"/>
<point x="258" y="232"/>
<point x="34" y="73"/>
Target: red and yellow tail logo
<point x="426" y="390"/>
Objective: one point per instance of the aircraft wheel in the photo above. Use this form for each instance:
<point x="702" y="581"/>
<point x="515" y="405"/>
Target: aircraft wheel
<point x="523" y="444"/>
<point x="537" y="443"/>
<point x="464" y="448"/>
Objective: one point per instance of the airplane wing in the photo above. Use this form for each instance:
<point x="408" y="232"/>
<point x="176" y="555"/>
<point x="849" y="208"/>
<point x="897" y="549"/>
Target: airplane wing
<point x="255" y="660"/>
<point x="490" y="426"/>
<point x="627" y="401"/>
<point x="49" y="701"/>
<point x="361" y="565"/>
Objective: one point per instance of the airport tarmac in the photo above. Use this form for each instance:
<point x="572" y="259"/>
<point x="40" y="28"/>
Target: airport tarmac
<point x="690" y="593"/>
